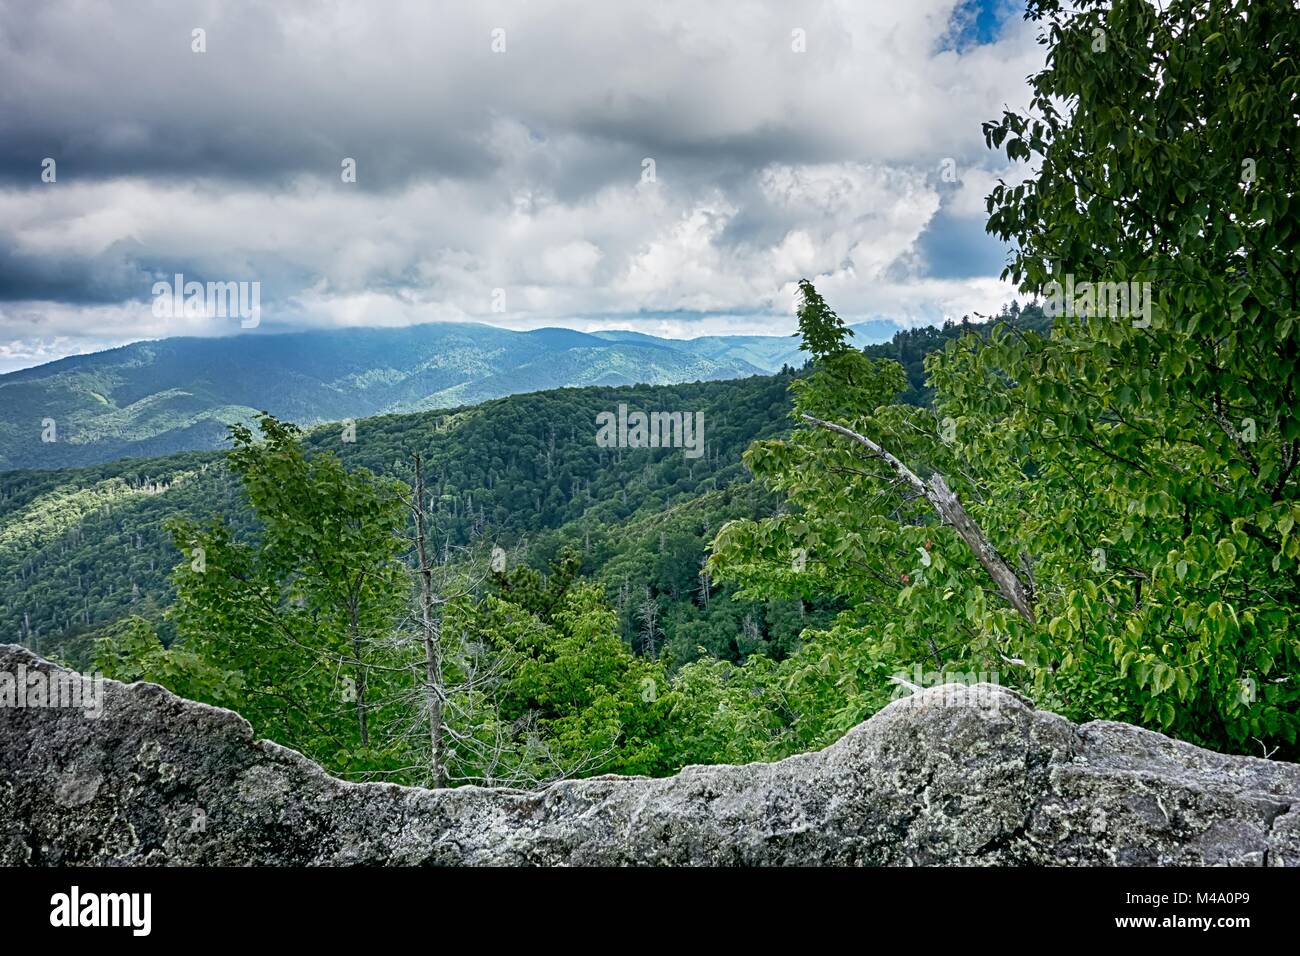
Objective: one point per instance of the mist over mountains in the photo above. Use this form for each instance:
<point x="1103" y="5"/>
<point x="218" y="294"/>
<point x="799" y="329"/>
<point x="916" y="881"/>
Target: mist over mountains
<point x="176" y="394"/>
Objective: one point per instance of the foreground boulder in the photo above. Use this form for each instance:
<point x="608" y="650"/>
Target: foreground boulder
<point x="951" y="775"/>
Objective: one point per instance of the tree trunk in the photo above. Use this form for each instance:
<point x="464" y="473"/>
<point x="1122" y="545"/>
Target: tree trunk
<point x="363" y="723"/>
<point x="430" y="632"/>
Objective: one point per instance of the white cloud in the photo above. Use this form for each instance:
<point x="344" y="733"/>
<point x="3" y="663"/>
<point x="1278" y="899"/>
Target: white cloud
<point x="478" y="171"/>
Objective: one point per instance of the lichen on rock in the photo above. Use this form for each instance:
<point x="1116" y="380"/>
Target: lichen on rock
<point x="952" y="775"/>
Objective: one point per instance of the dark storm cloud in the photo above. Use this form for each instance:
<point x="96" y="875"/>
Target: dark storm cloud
<point x="116" y="89"/>
<point x="108" y="276"/>
<point x="113" y="90"/>
<point x="522" y="170"/>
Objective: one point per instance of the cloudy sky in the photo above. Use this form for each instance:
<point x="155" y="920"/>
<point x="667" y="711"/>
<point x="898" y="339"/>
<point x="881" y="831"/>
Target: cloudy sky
<point x="673" y="167"/>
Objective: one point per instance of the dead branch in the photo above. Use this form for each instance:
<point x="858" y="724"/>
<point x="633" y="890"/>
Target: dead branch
<point x="945" y="502"/>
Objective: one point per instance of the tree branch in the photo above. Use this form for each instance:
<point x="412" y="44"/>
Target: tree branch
<point x="944" y="500"/>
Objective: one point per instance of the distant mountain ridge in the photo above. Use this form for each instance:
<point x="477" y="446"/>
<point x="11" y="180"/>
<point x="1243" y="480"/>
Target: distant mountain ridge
<point x="768" y="352"/>
<point x="156" y="397"/>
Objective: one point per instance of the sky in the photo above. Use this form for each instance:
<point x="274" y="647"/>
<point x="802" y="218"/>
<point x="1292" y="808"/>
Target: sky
<point x="673" y="167"/>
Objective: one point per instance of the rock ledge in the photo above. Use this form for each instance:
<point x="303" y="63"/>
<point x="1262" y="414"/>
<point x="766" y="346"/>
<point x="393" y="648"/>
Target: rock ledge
<point x="952" y="775"/>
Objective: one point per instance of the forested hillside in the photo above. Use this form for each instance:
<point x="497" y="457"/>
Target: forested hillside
<point x="151" y="398"/>
<point x="81" y="547"/>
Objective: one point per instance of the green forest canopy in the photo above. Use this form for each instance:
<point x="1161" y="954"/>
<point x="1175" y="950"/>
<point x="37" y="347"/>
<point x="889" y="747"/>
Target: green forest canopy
<point x="1101" y="514"/>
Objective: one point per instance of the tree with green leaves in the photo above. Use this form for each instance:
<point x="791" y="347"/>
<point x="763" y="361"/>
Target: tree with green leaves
<point x="129" y="650"/>
<point x="920" y="580"/>
<point x="1104" y="513"/>
<point x="305" y="612"/>
<point x="1165" y="144"/>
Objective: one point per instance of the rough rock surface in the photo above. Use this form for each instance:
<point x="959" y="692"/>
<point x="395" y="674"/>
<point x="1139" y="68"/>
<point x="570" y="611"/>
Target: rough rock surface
<point x="951" y="775"/>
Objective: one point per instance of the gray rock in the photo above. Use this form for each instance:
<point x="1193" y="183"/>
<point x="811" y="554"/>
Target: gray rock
<point x="950" y="775"/>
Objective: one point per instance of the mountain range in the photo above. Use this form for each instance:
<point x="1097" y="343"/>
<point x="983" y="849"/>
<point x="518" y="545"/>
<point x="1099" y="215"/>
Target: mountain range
<point x="80" y="548"/>
<point x="157" y="397"/>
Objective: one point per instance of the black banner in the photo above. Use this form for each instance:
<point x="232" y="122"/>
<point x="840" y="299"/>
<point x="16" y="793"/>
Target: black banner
<point x="337" y="905"/>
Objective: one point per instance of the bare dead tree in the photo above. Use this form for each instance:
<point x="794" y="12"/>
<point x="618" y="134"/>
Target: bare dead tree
<point x="454" y="703"/>
<point x="648" y="611"/>
<point x="429" y="630"/>
<point x="432" y="602"/>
